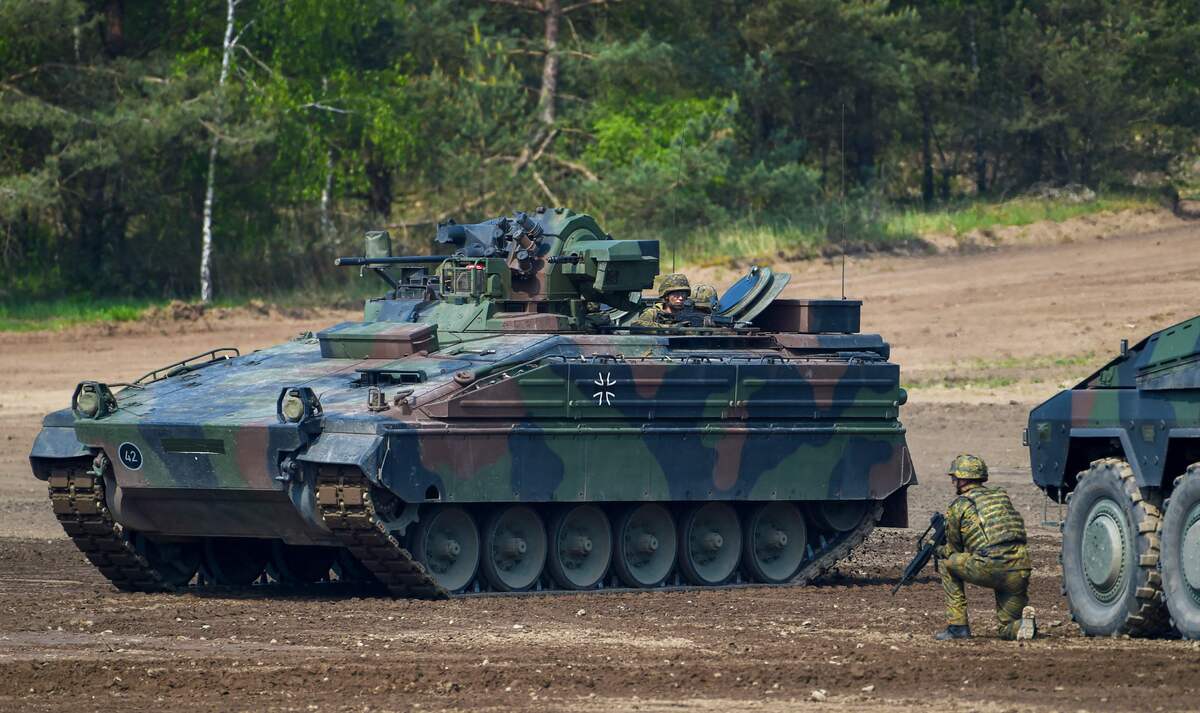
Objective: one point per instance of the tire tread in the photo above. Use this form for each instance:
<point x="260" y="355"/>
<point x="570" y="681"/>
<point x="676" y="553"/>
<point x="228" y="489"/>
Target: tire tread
<point x="1149" y="617"/>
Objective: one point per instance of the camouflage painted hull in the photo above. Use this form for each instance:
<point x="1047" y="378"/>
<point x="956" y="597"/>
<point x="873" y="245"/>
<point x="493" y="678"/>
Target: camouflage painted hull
<point x="565" y="429"/>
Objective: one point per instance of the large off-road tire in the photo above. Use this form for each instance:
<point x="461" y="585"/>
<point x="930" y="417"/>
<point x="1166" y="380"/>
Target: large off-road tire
<point x="1180" y="559"/>
<point x="1110" y="554"/>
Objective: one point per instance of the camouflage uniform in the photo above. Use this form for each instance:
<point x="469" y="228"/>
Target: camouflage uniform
<point x="985" y="545"/>
<point x="658" y="315"/>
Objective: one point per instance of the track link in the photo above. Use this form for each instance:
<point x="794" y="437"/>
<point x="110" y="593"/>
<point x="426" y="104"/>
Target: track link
<point x="77" y="497"/>
<point x="344" y="502"/>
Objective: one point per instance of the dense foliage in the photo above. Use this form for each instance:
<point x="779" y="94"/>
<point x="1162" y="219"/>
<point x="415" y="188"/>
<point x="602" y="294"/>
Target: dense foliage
<point x="669" y="117"/>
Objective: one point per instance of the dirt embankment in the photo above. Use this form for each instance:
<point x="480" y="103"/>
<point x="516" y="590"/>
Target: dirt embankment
<point x="980" y="335"/>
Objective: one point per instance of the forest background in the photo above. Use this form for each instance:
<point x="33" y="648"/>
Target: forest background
<point x="280" y="130"/>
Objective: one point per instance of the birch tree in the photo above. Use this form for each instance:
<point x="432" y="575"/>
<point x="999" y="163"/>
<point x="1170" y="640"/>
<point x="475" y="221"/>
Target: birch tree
<point x="207" y="236"/>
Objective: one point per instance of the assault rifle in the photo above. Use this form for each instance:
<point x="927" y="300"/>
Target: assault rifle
<point x="933" y="537"/>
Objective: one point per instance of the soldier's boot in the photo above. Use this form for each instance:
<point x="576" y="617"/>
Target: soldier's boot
<point x="954" y="631"/>
<point x="1028" y="627"/>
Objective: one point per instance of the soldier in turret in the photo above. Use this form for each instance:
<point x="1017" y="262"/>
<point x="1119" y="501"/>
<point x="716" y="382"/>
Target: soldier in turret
<point x="985" y="545"/>
<point x="674" y="290"/>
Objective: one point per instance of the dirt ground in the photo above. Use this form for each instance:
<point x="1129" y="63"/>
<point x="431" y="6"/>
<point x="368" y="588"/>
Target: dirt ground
<point x="982" y="334"/>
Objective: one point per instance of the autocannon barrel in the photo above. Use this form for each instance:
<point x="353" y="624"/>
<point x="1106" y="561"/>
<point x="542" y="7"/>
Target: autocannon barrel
<point x="400" y="260"/>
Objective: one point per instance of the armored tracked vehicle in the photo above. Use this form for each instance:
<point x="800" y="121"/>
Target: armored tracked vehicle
<point x="493" y="424"/>
<point x="1122" y="450"/>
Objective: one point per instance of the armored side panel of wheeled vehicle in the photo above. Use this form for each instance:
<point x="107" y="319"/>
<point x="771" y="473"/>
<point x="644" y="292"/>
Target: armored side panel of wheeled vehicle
<point x="1122" y="450"/>
<point x="493" y="424"/>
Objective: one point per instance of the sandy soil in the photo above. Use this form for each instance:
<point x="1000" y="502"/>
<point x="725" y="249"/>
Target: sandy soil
<point x="981" y="335"/>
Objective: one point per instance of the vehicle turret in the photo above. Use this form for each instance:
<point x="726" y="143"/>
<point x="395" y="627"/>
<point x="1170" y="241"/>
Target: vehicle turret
<point x="554" y="263"/>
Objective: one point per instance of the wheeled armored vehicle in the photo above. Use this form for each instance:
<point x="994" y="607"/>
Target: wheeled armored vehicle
<point x="1122" y="451"/>
<point x="493" y="424"/>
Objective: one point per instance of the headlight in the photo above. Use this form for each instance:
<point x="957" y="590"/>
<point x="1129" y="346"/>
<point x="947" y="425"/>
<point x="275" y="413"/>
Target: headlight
<point x="88" y="404"/>
<point x="293" y="407"/>
<point x="93" y="400"/>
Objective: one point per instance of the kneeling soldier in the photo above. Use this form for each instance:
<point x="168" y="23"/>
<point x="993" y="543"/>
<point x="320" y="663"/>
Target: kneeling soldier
<point x="985" y="545"/>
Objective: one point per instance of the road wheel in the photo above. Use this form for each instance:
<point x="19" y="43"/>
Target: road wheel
<point x="580" y="546"/>
<point x="838" y="515"/>
<point x="234" y="561"/>
<point x="644" y="539"/>
<point x="300" y="564"/>
<point x="514" y="548"/>
<point x="175" y="562"/>
<point x="774" y="542"/>
<point x="446" y="541"/>
<point x="710" y="543"/>
<point x="1110" y="553"/>
<point x="1180" y="563"/>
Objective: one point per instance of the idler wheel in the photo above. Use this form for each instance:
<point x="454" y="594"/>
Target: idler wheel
<point x="234" y="561"/>
<point x="514" y="548"/>
<point x="446" y="541"/>
<point x="300" y="564"/>
<point x="1181" y="554"/>
<point x="775" y="541"/>
<point x="644" y="539"/>
<point x="710" y="543"/>
<point x="580" y="547"/>
<point x="838" y="515"/>
<point x="175" y="562"/>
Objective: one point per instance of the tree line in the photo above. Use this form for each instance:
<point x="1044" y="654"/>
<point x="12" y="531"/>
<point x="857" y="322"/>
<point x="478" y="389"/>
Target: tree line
<point x="135" y="134"/>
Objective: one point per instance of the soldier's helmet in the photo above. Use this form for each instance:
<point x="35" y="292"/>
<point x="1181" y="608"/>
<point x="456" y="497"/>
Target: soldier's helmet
<point x="675" y="282"/>
<point x="704" y="297"/>
<point x="968" y="467"/>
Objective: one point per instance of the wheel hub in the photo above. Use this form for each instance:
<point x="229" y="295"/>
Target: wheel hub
<point x="1105" y="550"/>
<point x="713" y="541"/>
<point x="514" y="547"/>
<point x="581" y="546"/>
<point x="775" y="539"/>
<point x="647" y="543"/>
<point x="448" y="548"/>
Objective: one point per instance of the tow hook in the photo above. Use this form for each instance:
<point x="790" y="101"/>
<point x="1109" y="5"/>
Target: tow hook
<point x="289" y="469"/>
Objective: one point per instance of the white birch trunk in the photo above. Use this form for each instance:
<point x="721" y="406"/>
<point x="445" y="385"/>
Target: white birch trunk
<point x="549" y="90"/>
<point x="326" y="191"/>
<point x="206" y="242"/>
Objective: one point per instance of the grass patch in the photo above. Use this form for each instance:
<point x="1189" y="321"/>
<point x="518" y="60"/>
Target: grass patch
<point x="64" y="312"/>
<point x="746" y="242"/>
<point x="67" y="311"/>
<point x="984" y="215"/>
<point x="962" y="382"/>
<point x="869" y="229"/>
<point x="1036" y="362"/>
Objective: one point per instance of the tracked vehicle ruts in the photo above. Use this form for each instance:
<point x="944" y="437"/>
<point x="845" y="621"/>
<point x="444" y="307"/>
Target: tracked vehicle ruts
<point x="492" y="424"/>
<point x="1122" y="450"/>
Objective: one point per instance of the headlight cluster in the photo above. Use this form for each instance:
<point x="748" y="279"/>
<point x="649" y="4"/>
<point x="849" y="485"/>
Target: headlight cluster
<point x="296" y="404"/>
<point x="93" y="400"/>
